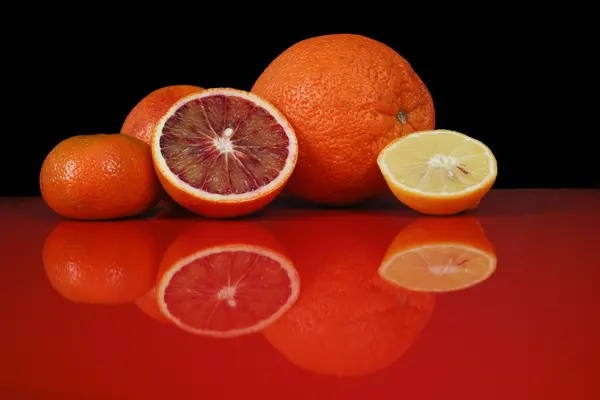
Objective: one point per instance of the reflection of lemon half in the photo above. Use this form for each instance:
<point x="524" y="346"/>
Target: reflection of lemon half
<point x="439" y="255"/>
<point x="438" y="172"/>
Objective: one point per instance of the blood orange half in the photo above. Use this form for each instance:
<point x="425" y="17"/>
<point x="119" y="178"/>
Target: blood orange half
<point x="224" y="152"/>
<point x="226" y="280"/>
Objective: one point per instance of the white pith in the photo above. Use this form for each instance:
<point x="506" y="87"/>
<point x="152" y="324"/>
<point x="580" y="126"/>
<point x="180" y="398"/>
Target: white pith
<point x="383" y="268"/>
<point x="227" y="294"/>
<point x="439" y="161"/>
<point x="225" y="146"/>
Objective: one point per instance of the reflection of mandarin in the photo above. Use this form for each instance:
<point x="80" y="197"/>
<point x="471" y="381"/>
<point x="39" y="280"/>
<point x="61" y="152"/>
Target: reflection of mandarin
<point x="347" y="320"/>
<point x="99" y="177"/>
<point x="439" y="254"/>
<point x="101" y="262"/>
<point x="225" y="279"/>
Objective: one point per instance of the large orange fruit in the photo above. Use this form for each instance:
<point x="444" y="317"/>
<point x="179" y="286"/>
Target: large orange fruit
<point x="142" y="119"/>
<point x="223" y="152"/>
<point x="347" y="321"/>
<point x="102" y="176"/>
<point x="347" y="96"/>
<point x="111" y="262"/>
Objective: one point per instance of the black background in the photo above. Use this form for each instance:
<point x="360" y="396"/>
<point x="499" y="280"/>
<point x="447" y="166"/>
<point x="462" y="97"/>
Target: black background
<point x="488" y="78"/>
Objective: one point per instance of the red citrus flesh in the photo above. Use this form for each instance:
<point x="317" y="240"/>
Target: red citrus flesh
<point x="228" y="291"/>
<point x="224" y="144"/>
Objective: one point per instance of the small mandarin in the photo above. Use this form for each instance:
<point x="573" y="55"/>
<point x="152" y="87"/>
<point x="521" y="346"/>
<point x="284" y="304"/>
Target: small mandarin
<point x="98" y="177"/>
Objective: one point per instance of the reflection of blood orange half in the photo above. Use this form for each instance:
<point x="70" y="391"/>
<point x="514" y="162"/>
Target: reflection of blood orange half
<point x="439" y="255"/>
<point x="347" y="320"/>
<point x="226" y="279"/>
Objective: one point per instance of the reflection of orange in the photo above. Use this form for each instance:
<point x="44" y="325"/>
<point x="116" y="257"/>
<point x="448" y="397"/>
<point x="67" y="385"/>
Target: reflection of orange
<point x="225" y="279"/>
<point x="347" y="320"/>
<point x="101" y="262"/>
<point x="164" y="230"/>
<point x="439" y="254"/>
<point x="148" y="303"/>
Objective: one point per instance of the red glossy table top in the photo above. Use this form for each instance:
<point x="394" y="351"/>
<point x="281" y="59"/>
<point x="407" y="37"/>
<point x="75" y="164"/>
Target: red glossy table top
<point x="530" y="331"/>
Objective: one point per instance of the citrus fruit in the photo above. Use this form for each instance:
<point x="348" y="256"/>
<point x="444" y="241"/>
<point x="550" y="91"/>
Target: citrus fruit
<point x="438" y="172"/>
<point x="111" y="262"/>
<point x="346" y="96"/>
<point x="102" y="176"/>
<point x="439" y="254"/>
<point x="142" y="119"/>
<point x="164" y="227"/>
<point x="347" y="321"/>
<point x="224" y="152"/>
<point x="225" y="279"/>
<point x="148" y="303"/>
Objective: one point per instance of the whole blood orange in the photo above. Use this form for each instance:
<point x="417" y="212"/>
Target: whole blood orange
<point x="142" y="119"/>
<point x="223" y="152"/>
<point x="102" y="176"/>
<point x="347" y="96"/>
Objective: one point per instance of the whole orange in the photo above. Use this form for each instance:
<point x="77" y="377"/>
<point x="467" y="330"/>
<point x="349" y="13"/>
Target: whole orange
<point x="347" y="96"/>
<point x="142" y="118"/>
<point x="102" y="176"/>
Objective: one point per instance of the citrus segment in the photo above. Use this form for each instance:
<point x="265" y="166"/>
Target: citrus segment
<point x="439" y="255"/>
<point x="438" y="172"/>
<point x="224" y="152"/>
<point x="223" y="287"/>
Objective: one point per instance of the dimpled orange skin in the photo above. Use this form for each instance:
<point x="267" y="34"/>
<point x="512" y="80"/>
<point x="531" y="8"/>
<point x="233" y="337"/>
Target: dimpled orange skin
<point x="142" y="119"/>
<point x="101" y="263"/>
<point x="99" y="177"/>
<point x="345" y="95"/>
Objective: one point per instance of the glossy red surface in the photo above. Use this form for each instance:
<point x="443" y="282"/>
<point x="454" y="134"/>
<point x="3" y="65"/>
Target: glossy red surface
<point x="530" y="331"/>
